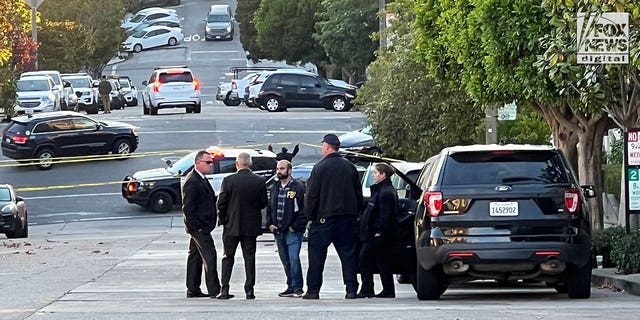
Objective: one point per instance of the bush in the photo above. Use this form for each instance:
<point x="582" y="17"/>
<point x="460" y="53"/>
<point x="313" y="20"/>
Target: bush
<point x="602" y="242"/>
<point x="611" y="178"/>
<point x="626" y="252"/>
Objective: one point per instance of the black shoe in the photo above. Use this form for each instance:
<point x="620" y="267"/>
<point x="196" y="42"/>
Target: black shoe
<point x="225" y="296"/>
<point x="250" y="296"/>
<point x="311" y="296"/>
<point x="386" y="295"/>
<point x="298" y="294"/>
<point x="362" y="295"/>
<point x="196" y="294"/>
<point x="350" y="295"/>
<point x="286" y="293"/>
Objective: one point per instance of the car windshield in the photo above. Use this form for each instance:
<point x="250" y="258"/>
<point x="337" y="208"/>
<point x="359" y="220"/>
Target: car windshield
<point x="5" y="195"/>
<point x="124" y="83"/>
<point x="79" y="82"/>
<point x="140" y="27"/>
<point x="218" y="18"/>
<point x="182" y="166"/>
<point x="139" y="34"/>
<point x="32" y="85"/>
<point x="504" y="167"/>
<point x="366" y="130"/>
<point x="137" y="18"/>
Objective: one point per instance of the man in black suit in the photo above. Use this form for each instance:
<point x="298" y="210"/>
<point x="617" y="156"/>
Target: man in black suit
<point x="242" y="197"/>
<point x="198" y="207"/>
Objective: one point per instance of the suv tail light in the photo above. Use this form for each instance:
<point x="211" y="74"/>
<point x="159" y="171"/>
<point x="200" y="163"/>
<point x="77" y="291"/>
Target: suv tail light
<point x="132" y="186"/>
<point x="572" y="200"/>
<point x="433" y="201"/>
<point x="20" y="139"/>
<point x="156" y="86"/>
<point x="234" y="86"/>
<point x="196" y="85"/>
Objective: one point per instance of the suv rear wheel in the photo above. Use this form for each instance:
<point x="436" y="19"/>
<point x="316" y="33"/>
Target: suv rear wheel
<point x="153" y="111"/>
<point x="161" y="202"/>
<point x="579" y="281"/>
<point x="431" y="284"/>
<point x="198" y="108"/>
<point x="273" y="104"/>
<point x="45" y="159"/>
<point x="145" y="109"/>
<point x="122" y="147"/>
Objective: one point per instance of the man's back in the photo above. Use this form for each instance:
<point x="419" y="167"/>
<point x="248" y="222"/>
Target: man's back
<point x="242" y="197"/>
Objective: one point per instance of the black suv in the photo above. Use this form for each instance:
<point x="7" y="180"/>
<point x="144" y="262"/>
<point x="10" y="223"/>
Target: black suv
<point x="44" y="136"/>
<point x="507" y="213"/>
<point x="160" y="189"/>
<point x="287" y="89"/>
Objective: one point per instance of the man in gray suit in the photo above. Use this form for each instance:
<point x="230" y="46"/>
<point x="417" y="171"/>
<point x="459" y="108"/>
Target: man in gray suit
<point x="198" y="207"/>
<point x="242" y="197"/>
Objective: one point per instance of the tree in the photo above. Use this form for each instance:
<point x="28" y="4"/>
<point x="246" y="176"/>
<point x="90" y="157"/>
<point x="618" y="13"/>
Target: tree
<point x="245" y="11"/>
<point x="285" y="31"/>
<point x="345" y="31"/>
<point x="63" y="34"/>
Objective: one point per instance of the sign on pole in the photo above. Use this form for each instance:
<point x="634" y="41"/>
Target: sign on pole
<point x="632" y="173"/>
<point x="33" y="4"/>
<point x="603" y="38"/>
<point x="508" y="112"/>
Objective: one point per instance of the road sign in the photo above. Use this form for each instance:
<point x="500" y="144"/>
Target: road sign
<point x="633" y="176"/>
<point x="33" y="4"/>
<point x="508" y="111"/>
<point x="633" y="148"/>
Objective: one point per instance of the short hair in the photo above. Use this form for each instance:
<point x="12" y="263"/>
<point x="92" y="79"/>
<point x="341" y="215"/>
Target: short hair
<point x="286" y="162"/>
<point x="244" y="159"/>
<point x="385" y="168"/>
<point x="199" y="155"/>
<point x="104" y="77"/>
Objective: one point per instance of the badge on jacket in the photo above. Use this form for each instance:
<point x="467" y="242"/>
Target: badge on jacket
<point x="291" y="194"/>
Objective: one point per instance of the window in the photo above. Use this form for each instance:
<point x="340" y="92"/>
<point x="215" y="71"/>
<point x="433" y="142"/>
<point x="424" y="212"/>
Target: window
<point x="263" y="164"/>
<point x="84" y="124"/>
<point x="61" y="125"/>
<point x="17" y="128"/>
<point x="42" y="127"/>
<point x="184" y="76"/>
<point x="161" y="32"/>
<point x="227" y="165"/>
<point x="309" y="82"/>
<point x="152" y="79"/>
<point x="33" y="85"/>
<point x="5" y="195"/>
<point x="289" y="80"/>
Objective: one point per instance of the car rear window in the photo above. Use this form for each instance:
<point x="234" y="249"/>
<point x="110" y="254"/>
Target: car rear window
<point x="17" y="128"/>
<point x="504" y="167"/>
<point x="166" y="77"/>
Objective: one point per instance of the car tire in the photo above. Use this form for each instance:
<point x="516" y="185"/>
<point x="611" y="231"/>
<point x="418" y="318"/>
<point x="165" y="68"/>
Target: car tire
<point x="93" y="109"/>
<point x="339" y="104"/>
<point x="153" y="111"/>
<point x="404" y="278"/>
<point x="44" y="159"/>
<point x="134" y="102"/>
<point x="430" y="284"/>
<point x="172" y="41"/>
<point x="273" y="104"/>
<point x="122" y="147"/>
<point x="579" y="282"/>
<point x="229" y="103"/>
<point x="137" y="48"/>
<point x="198" y="108"/>
<point x="22" y="228"/>
<point x="145" y="109"/>
<point x="161" y="202"/>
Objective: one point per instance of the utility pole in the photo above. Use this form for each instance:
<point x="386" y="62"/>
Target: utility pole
<point x="382" y="22"/>
<point x="491" y="122"/>
<point x="34" y="4"/>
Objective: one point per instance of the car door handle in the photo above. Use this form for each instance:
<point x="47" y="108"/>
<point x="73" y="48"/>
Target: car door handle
<point x="303" y="89"/>
<point x="278" y="87"/>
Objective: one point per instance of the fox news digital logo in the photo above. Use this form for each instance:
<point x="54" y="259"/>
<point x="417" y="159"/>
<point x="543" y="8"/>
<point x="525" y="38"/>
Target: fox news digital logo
<point x="603" y="39"/>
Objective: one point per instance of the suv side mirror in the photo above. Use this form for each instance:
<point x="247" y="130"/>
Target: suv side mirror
<point x="318" y="85"/>
<point x="66" y="84"/>
<point x="589" y="191"/>
<point x="78" y="94"/>
<point x="144" y="83"/>
<point x="19" y="199"/>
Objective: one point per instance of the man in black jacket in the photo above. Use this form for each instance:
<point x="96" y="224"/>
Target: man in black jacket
<point x="334" y="201"/>
<point x="242" y="197"/>
<point x="287" y="220"/>
<point x="198" y="207"/>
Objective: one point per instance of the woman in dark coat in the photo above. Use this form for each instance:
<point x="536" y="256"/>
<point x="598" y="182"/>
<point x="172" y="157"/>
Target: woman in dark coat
<point x="376" y="225"/>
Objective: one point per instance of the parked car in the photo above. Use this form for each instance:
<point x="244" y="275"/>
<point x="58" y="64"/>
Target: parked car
<point x="128" y="90"/>
<point x="359" y="141"/>
<point x="151" y="3"/>
<point x="159" y="189"/>
<point x="171" y="87"/>
<point x="154" y="36"/>
<point x="142" y="26"/>
<point x="13" y="213"/>
<point x="46" y="136"/>
<point x="229" y="92"/>
<point x="57" y="79"/>
<point x="88" y="95"/>
<point x="72" y="98"/>
<point x="37" y="94"/>
<point x="289" y="89"/>
<point x="502" y="212"/>
<point x="150" y="15"/>
<point x="409" y="169"/>
<point x="255" y="85"/>
<point x="342" y="83"/>
<point x="219" y="24"/>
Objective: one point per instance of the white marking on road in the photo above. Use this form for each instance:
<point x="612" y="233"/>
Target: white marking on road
<point x="219" y="51"/>
<point x="114" y="68"/>
<point x="74" y="196"/>
<point x="242" y="131"/>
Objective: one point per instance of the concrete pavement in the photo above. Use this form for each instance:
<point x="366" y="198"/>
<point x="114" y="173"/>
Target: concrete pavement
<point x="134" y="269"/>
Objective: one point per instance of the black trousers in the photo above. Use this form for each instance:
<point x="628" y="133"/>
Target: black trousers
<point x="248" y="245"/>
<point x="202" y="252"/>
<point x="370" y="261"/>
<point x="340" y="231"/>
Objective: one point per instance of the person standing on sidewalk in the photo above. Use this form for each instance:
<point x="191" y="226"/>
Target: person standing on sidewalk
<point x="287" y="221"/>
<point x="198" y="207"/>
<point x="242" y="197"/>
<point x="104" y="88"/>
<point x="334" y="201"/>
<point x="376" y="224"/>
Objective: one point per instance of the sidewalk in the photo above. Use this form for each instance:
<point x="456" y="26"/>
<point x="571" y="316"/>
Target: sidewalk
<point x="608" y="278"/>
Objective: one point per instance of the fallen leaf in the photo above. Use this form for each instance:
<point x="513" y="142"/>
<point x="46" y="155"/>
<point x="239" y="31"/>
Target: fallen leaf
<point x="29" y="252"/>
<point x="27" y="244"/>
<point x="95" y="251"/>
<point x="100" y="243"/>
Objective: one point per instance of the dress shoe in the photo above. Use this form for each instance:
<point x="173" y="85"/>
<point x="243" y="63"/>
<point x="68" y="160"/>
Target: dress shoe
<point x="383" y="294"/>
<point x="311" y="296"/>
<point x="286" y="293"/>
<point x="225" y="296"/>
<point x="362" y="295"/>
<point x="250" y="296"/>
<point x="350" y="295"/>
<point x="196" y="295"/>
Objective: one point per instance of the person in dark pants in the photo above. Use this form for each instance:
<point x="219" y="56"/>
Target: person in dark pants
<point x="334" y="201"/>
<point x="242" y="197"/>
<point x="375" y="228"/>
<point x="104" y="88"/>
<point x="199" y="212"/>
<point x="284" y="154"/>
<point x="287" y="221"/>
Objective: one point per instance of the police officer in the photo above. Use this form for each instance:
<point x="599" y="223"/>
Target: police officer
<point x="334" y="200"/>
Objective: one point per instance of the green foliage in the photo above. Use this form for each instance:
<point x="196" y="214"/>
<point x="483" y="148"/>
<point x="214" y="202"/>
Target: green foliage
<point x="245" y="11"/>
<point x="602" y="242"/>
<point x="7" y="90"/>
<point x="611" y="178"/>
<point x="616" y="156"/>
<point x="625" y="252"/>
<point x="344" y="31"/>
<point x="529" y="127"/>
<point x="62" y="34"/>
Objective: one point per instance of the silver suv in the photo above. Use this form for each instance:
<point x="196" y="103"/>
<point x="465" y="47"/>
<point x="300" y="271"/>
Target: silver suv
<point x="171" y="87"/>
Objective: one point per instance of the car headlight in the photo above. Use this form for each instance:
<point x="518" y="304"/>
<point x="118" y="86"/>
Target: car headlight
<point x="229" y="28"/>
<point x="45" y="99"/>
<point x="146" y="185"/>
<point x="8" y="209"/>
<point x="206" y="28"/>
<point x="350" y="96"/>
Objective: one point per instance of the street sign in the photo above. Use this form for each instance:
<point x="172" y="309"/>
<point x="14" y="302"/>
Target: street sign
<point x="633" y="176"/>
<point x="508" y="111"/>
<point x="33" y="4"/>
<point x="633" y="148"/>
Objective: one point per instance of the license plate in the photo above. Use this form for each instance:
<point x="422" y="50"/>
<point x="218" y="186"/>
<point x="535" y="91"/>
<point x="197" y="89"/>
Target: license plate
<point x="503" y="209"/>
<point x="217" y="37"/>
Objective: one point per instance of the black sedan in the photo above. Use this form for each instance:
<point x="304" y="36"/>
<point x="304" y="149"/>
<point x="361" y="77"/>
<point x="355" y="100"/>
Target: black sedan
<point x="13" y="213"/>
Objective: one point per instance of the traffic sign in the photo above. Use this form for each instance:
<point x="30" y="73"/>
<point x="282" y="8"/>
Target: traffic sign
<point x="508" y="111"/>
<point x="33" y="4"/>
<point x="633" y="148"/>
<point x="633" y="176"/>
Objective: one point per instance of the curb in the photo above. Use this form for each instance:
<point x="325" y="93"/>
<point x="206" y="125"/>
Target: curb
<point x="616" y="282"/>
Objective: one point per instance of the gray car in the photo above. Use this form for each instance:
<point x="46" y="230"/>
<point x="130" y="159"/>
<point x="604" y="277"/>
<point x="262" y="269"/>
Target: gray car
<point x="13" y="213"/>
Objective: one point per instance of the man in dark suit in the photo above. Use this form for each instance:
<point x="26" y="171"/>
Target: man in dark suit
<point x="198" y="207"/>
<point x="242" y="197"/>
